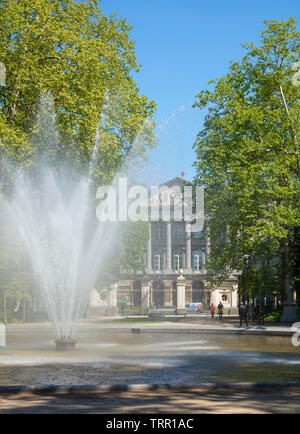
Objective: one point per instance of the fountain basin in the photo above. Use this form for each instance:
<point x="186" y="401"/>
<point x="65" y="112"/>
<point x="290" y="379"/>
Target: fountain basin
<point x="115" y="356"/>
<point x="65" y="344"/>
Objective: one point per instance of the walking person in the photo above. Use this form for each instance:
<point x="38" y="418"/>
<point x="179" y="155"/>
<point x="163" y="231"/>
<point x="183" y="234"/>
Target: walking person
<point x="212" y="311"/>
<point x="220" y="310"/>
<point x="243" y="312"/>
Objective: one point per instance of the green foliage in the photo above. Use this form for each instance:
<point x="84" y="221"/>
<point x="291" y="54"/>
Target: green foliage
<point x="84" y="59"/>
<point x="134" y="236"/>
<point x="15" y="278"/>
<point x="260" y="278"/>
<point x="248" y="155"/>
<point x="127" y="253"/>
<point x="205" y="306"/>
<point x="132" y="309"/>
<point x="274" y="316"/>
<point x="68" y="83"/>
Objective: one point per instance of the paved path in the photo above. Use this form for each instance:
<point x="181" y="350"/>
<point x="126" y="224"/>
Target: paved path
<point x="195" y="401"/>
<point x="203" y="325"/>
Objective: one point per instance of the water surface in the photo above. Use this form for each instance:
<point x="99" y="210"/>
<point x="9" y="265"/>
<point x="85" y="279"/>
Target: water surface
<point x="102" y="358"/>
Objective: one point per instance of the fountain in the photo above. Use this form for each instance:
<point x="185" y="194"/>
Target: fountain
<point x="51" y="211"/>
<point x="64" y="344"/>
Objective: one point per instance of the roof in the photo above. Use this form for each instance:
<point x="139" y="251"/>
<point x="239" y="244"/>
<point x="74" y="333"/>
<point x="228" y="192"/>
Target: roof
<point x="181" y="182"/>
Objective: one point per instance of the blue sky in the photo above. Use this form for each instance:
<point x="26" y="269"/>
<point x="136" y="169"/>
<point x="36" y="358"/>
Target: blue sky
<point x="181" y="46"/>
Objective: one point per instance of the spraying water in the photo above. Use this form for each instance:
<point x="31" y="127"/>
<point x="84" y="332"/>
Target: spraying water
<point x="52" y="214"/>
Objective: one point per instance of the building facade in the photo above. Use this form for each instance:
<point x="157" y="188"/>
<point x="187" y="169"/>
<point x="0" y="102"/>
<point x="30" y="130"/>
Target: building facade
<point x="172" y="248"/>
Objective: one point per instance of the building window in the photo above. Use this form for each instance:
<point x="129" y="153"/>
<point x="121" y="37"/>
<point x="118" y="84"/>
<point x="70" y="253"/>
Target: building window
<point x="224" y="297"/>
<point x="178" y="261"/>
<point x="158" y="232"/>
<point x="197" y="235"/>
<point x="197" y="260"/>
<point x="178" y="231"/>
<point x="157" y="262"/>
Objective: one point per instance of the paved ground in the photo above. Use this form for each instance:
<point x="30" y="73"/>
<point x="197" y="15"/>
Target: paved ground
<point x="203" y="323"/>
<point x="193" y="401"/>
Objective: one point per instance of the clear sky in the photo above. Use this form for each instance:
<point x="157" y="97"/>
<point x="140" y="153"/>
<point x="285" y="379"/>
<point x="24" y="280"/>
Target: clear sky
<point x="181" y="45"/>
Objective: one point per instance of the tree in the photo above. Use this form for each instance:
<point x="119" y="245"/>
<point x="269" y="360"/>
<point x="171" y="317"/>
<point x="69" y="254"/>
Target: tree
<point x="84" y="59"/>
<point x="69" y="102"/>
<point x="15" y="277"/>
<point x="134" y="237"/>
<point x="127" y="254"/>
<point x="248" y="155"/>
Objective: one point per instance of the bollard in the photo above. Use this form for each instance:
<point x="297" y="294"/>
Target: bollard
<point x="2" y="335"/>
<point x="136" y="330"/>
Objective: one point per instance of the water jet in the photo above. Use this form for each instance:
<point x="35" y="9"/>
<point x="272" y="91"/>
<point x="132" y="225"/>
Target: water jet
<point x="65" y="344"/>
<point x="52" y="210"/>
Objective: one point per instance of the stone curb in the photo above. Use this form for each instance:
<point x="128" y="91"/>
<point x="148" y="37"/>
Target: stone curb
<point x="224" y="331"/>
<point x="206" y="387"/>
<point x="220" y="331"/>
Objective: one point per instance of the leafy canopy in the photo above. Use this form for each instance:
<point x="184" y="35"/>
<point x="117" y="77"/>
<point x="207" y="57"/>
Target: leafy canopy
<point x="85" y="59"/>
<point x="248" y="153"/>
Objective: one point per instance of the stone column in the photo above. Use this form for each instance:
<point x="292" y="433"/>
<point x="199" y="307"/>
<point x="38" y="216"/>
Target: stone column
<point x="168" y="293"/>
<point x="215" y="297"/>
<point x="149" y="269"/>
<point x="180" y="305"/>
<point x="112" y="299"/>
<point x="188" y="249"/>
<point x="131" y="294"/>
<point x="145" y="295"/>
<point x="164" y="261"/>
<point x="168" y="269"/>
<point x="234" y="297"/>
<point x="151" y="292"/>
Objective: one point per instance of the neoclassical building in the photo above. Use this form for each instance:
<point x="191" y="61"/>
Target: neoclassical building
<point x="170" y="249"/>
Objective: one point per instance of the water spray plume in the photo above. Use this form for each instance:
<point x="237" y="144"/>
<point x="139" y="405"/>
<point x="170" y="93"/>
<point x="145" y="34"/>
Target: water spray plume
<point x="52" y="214"/>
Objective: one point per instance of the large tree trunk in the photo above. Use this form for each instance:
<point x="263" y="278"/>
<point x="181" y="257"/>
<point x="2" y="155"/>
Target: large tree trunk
<point x="286" y="271"/>
<point x="24" y="310"/>
<point x="289" y="306"/>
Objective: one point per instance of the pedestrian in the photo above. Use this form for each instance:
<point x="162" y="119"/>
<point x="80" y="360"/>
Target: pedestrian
<point x="212" y="311"/>
<point x="199" y="308"/>
<point x="220" y="310"/>
<point x="243" y="312"/>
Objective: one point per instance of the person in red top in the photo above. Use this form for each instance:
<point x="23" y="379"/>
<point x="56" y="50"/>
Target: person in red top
<point x="212" y="311"/>
<point x="199" y="308"/>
